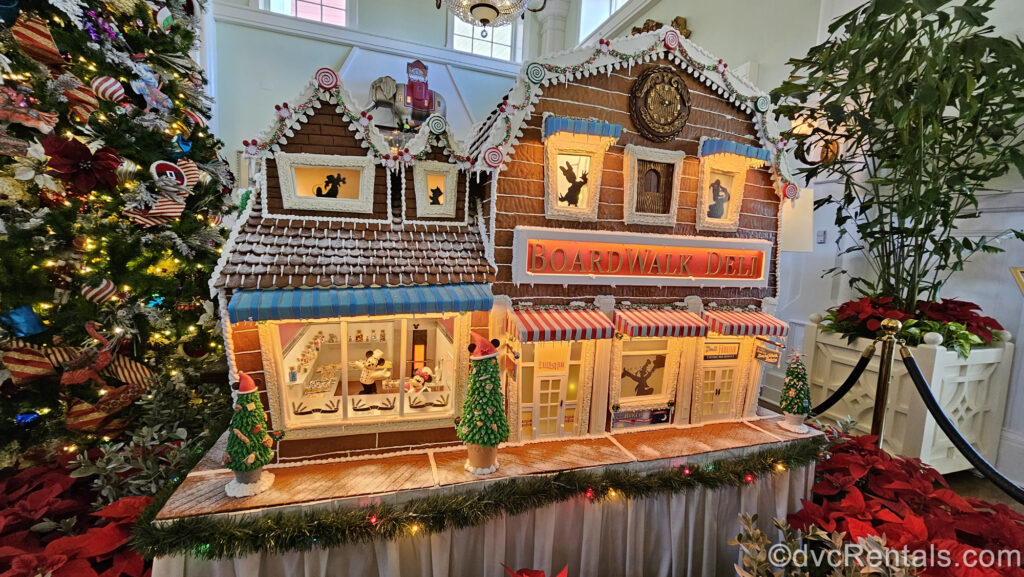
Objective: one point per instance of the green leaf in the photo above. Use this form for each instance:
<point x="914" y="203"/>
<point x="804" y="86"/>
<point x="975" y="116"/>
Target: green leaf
<point x="971" y="15"/>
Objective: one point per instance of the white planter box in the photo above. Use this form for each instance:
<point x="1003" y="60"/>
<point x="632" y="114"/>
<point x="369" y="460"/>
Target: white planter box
<point x="972" y="392"/>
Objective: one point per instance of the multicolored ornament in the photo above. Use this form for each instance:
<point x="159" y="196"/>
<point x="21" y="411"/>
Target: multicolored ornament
<point x="100" y="292"/>
<point x="326" y="78"/>
<point x="164" y="169"/>
<point x="107" y="88"/>
<point x="32" y="35"/>
<point x="163" y="18"/>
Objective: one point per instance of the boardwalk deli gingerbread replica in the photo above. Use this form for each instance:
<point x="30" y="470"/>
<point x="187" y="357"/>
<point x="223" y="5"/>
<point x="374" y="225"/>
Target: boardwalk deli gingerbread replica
<point x="349" y="286"/>
<point x="633" y="215"/>
<point x="615" y="194"/>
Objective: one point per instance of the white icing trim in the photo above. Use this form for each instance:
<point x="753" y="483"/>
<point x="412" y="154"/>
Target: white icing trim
<point x="287" y="162"/>
<point x="236" y="489"/>
<point x="492" y="131"/>
<point x="566" y="143"/>
<point x="450" y="172"/>
<point x="634" y="153"/>
<point x="229" y="245"/>
<point x="481" y="470"/>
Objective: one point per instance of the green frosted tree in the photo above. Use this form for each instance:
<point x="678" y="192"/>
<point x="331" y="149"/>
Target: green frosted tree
<point x="796" y="393"/>
<point x="249" y="441"/>
<point x="483" y="419"/>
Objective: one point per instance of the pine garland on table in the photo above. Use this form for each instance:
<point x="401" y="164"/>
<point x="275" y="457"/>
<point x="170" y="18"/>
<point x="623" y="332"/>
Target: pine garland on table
<point x="796" y="393"/>
<point x="215" y="537"/>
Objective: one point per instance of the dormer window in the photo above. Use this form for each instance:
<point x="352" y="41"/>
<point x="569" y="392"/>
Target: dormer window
<point x="325" y="182"/>
<point x="723" y="177"/>
<point x="652" y="185"/>
<point x="574" y="158"/>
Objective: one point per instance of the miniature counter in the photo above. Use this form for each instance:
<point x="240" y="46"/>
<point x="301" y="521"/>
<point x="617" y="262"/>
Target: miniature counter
<point x="685" y="533"/>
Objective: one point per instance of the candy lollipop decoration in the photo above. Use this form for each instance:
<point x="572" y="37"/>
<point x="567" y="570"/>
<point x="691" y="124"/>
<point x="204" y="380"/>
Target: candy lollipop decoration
<point x="437" y="124"/>
<point x="761" y="103"/>
<point x="494" y="157"/>
<point x="535" y="72"/>
<point x="672" y="39"/>
<point x="107" y="88"/>
<point x="100" y="292"/>
<point x="326" y="78"/>
<point x="790" y="190"/>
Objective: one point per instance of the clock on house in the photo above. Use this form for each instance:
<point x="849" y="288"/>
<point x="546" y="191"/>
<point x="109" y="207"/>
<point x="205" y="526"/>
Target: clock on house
<point x="659" y="103"/>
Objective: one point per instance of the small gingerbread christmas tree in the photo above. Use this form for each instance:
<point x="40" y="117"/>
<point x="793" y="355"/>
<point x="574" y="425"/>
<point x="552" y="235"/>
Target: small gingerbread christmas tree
<point x="249" y="441"/>
<point x="483" y="422"/>
<point x="796" y="393"/>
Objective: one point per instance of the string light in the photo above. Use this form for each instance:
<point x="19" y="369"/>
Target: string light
<point x="373" y="519"/>
<point x="590" y="493"/>
<point x="749" y="478"/>
<point x="780" y="467"/>
<point x="414" y="529"/>
<point x="612" y="493"/>
<point x="686" y="470"/>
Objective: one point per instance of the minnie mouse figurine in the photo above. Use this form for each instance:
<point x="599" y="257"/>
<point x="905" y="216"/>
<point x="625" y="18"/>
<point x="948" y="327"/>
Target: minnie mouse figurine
<point x="420" y="379"/>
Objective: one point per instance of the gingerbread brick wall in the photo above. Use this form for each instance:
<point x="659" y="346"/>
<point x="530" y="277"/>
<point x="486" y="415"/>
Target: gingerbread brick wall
<point x="520" y="192"/>
<point x="327" y="132"/>
<point x="438" y="155"/>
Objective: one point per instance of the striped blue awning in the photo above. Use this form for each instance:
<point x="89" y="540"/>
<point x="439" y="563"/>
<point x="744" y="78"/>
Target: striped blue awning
<point x="720" y="146"/>
<point x="553" y="124"/>
<point x="282" y="304"/>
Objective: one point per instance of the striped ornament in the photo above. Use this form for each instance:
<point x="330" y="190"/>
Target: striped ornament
<point x="25" y="361"/>
<point x="216" y="218"/>
<point x="192" y="172"/>
<point x="165" y="210"/>
<point x="82" y="102"/>
<point x="107" y="88"/>
<point x="99" y="293"/>
<point x="197" y="119"/>
<point x="33" y="37"/>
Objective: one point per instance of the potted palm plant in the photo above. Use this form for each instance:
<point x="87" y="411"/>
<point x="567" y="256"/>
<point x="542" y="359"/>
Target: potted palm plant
<point x="913" y="107"/>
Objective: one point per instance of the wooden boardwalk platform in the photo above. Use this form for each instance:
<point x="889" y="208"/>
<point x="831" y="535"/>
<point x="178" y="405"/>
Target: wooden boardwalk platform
<point x="402" y="476"/>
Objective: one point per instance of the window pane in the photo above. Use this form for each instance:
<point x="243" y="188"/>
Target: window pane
<point x="502" y="52"/>
<point x="463" y="44"/>
<point x="481" y="47"/>
<point x="463" y="28"/>
<point x="339" y="4"/>
<point x="307" y="10"/>
<point x="281" y="6"/>
<point x="502" y="35"/>
<point x="334" y="16"/>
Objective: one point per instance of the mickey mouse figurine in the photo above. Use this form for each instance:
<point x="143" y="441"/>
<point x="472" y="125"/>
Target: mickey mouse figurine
<point x="373" y="369"/>
<point x="420" y="379"/>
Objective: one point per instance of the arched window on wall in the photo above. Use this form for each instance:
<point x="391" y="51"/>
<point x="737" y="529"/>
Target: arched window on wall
<point x="654" y="196"/>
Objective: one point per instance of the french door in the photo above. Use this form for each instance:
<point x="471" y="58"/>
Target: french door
<point x="719" y="385"/>
<point x="549" y="407"/>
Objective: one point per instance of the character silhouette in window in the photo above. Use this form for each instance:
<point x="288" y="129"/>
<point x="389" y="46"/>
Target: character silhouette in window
<point x="642" y="375"/>
<point x="573" y="193"/>
<point x="436" y="196"/>
<point x="332" y="183"/>
<point x="719" y="200"/>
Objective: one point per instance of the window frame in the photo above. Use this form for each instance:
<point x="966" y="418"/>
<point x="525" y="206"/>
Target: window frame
<point x="673" y="356"/>
<point x="635" y="153"/>
<point x="287" y="162"/>
<point x="515" y="50"/>
<point x="351" y="10"/>
<point x="425" y="210"/>
<point x="734" y="165"/>
<point x="568" y="143"/>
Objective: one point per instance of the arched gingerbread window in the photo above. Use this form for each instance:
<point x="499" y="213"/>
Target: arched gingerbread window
<point x="654" y="196"/>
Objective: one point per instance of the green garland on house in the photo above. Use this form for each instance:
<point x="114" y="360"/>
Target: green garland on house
<point x="215" y="537"/>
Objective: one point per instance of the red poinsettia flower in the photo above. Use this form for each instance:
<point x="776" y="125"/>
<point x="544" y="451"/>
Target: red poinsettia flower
<point x="963" y="312"/>
<point x="81" y="169"/>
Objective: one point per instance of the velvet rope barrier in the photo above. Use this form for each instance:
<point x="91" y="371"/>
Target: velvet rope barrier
<point x="947" y="426"/>
<point x="858" y="370"/>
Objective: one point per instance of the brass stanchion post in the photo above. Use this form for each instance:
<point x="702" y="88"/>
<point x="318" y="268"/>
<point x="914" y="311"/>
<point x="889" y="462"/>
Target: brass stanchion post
<point x="891" y="327"/>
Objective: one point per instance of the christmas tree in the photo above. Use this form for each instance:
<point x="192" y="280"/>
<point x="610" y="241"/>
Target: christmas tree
<point x="112" y="194"/>
<point x="483" y="419"/>
<point x="796" y="393"/>
<point x="249" y="443"/>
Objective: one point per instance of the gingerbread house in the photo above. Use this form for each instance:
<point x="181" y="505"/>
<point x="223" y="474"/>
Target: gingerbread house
<point x="351" y="282"/>
<point x="633" y="215"/>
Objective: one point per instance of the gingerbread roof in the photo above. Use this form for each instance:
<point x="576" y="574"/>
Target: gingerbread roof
<point x="266" y="252"/>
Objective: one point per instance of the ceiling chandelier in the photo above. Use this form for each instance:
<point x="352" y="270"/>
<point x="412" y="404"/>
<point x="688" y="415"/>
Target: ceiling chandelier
<point x="492" y="13"/>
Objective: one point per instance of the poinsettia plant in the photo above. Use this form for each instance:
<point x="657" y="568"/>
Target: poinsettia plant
<point x="960" y="323"/>
<point x="864" y="491"/>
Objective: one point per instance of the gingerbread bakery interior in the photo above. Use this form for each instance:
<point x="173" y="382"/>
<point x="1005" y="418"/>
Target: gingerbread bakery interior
<point x="613" y="223"/>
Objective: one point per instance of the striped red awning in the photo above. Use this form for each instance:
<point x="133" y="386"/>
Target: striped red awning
<point x="659" y="323"/>
<point x="560" y="325"/>
<point x="745" y="323"/>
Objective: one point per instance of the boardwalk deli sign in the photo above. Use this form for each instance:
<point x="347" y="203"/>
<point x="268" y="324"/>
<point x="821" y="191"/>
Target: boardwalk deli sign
<point x="574" y="257"/>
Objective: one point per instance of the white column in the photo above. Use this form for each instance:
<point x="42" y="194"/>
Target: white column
<point x="552" y="26"/>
